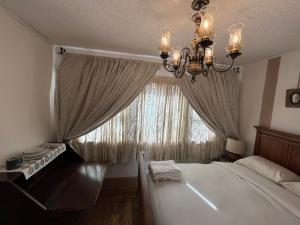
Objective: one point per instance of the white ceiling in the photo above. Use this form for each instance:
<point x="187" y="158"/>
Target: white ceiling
<point x="133" y="26"/>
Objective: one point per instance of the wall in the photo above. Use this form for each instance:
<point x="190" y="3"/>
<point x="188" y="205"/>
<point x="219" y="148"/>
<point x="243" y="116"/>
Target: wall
<point x="252" y="87"/>
<point x="287" y="119"/>
<point x="251" y="95"/>
<point x="25" y="75"/>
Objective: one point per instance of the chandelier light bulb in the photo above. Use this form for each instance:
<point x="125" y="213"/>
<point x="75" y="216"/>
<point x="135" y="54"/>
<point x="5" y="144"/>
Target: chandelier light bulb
<point x="206" y="29"/>
<point x="209" y="56"/>
<point x="176" y="55"/>
<point x="165" y="43"/>
<point x="235" y="37"/>
<point x="205" y="24"/>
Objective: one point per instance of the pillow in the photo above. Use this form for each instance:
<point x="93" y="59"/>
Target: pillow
<point x="293" y="187"/>
<point x="268" y="169"/>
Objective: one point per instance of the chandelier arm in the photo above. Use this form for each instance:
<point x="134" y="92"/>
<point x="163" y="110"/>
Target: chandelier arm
<point x="169" y="68"/>
<point x="205" y="72"/>
<point x="180" y="59"/>
<point x="185" y="54"/>
<point x="179" y="73"/>
<point x="187" y="51"/>
<point x="203" y="65"/>
<point x="225" y="70"/>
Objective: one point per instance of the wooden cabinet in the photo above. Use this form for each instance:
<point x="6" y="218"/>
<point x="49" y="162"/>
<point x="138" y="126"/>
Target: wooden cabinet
<point x="55" y="195"/>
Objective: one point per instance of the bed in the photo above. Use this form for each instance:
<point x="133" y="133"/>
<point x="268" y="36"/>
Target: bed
<point x="225" y="193"/>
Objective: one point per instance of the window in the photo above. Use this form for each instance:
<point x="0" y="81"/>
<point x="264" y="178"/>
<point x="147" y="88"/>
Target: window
<point x="159" y="119"/>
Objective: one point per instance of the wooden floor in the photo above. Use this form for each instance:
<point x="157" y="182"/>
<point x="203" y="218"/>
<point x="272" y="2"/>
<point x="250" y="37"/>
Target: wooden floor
<point x="114" y="207"/>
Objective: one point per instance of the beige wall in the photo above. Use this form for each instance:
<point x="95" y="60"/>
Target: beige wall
<point x="287" y="119"/>
<point x="252" y="85"/>
<point x="25" y="74"/>
<point x="251" y="95"/>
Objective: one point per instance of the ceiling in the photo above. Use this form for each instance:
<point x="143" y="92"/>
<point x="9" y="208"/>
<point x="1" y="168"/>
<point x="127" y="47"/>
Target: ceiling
<point x="133" y="26"/>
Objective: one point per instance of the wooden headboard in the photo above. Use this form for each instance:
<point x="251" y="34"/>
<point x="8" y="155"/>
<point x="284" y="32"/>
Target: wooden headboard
<point x="279" y="147"/>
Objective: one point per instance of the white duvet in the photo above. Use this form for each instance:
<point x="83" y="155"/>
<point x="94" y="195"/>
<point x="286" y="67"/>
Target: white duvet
<point x="222" y="194"/>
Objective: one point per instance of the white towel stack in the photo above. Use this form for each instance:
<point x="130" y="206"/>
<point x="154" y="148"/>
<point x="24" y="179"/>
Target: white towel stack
<point x="164" y="170"/>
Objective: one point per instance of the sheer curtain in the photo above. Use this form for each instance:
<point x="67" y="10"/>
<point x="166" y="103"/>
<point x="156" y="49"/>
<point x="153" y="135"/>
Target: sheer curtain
<point x="159" y="120"/>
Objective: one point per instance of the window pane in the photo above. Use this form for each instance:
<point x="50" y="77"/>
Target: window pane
<point x="159" y="115"/>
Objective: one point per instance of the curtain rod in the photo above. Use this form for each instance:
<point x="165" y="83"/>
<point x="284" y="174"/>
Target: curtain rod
<point x="98" y="52"/>
<point x="62" y="50"/>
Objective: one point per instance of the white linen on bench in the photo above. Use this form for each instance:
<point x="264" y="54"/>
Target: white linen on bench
<point x="164" y="170"/>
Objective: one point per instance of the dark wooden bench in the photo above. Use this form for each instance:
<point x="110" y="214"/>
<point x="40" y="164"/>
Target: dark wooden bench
<point x="55" y="195"/>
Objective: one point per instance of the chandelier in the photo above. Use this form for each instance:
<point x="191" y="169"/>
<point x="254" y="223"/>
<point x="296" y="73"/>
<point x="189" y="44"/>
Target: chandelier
<point x="199" y="59"/>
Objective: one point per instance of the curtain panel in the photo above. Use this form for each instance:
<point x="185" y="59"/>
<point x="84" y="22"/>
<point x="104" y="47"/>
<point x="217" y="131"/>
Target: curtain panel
<point x="216" y="100"/>
<point x="160" y="121"/>
<point x="92" y="89"/>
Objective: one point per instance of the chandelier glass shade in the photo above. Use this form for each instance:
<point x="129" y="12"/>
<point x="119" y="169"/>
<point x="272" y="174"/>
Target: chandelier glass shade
<point x="206" y="28"/>
<point x="199" y="59"/>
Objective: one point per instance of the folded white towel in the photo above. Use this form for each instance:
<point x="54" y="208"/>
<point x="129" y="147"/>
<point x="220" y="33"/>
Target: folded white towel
<point x="164" y="170"/>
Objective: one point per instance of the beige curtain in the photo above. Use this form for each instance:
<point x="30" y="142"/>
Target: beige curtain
<point x="160" y="120"/>
<point x="216" y="100"/>
<point x="92" y="89"/>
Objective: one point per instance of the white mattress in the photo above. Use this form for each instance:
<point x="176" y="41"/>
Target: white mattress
<point x="222" y="194"/>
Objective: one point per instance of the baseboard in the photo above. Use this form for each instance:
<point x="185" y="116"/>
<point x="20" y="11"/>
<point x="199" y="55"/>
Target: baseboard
<point x="120" y="184"/>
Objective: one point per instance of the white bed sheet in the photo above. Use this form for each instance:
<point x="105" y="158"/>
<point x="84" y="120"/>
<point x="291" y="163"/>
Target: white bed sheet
<point x="222" y="194"/>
